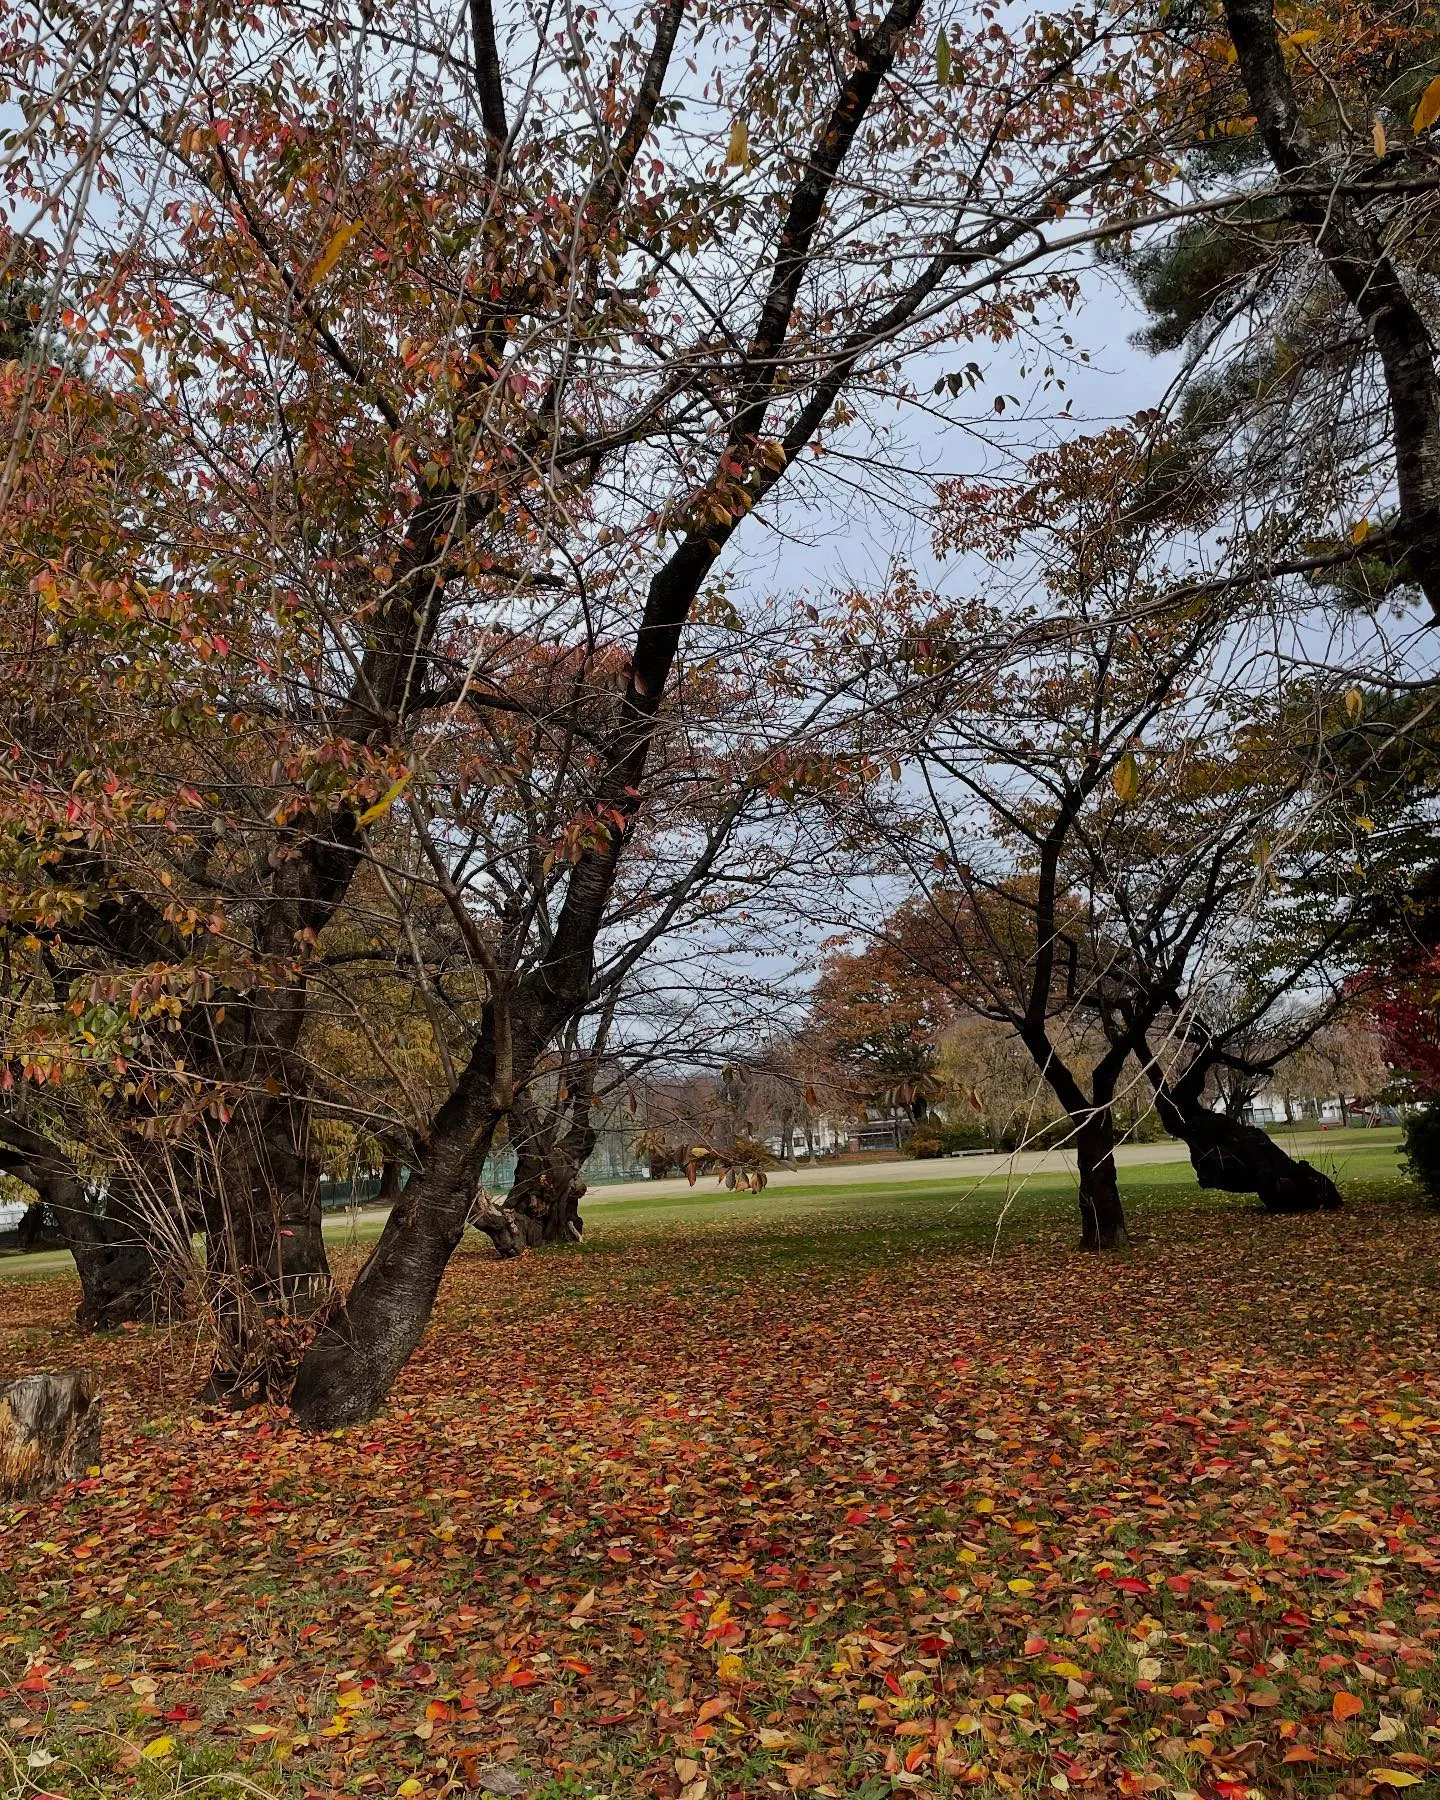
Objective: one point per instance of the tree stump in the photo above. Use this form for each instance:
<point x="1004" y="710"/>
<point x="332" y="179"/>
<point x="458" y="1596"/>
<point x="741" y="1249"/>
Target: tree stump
<point x="49" y="1432"/>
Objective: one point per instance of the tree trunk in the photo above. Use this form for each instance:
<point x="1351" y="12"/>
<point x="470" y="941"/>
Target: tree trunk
<point x="49" y="1432"/>
<point x="787" y="1138"/>
<point x="499" y="1224"/>
<point x="1237" y="1158"/>
<point x="550" y="1149"/>
<point x="127" y="1274"/>
<point x="265" y="1262"/>
<point x="125" y="1278"/>
<point x="1102" y="1217"/>
<point x="348" y="1369"/>
<point x="390" y="1172"/>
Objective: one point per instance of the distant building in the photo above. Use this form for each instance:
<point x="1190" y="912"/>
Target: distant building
<point x="1318" y="1109"/>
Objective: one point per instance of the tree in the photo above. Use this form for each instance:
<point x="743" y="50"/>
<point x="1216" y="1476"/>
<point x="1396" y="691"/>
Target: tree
<point x="1300" y="288"/>
<point x="881" y="1022"/>
<point x="458" y="373"/>
<point x="988" y="1075"/>
<point x="1124" y="812"/>
<point x="1324" y="190"/>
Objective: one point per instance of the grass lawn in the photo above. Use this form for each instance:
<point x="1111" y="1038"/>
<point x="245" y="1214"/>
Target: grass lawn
<point x="839" y="1495"/>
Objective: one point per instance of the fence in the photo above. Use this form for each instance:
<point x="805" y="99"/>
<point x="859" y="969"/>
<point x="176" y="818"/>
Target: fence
<point x="613" y="1159"/>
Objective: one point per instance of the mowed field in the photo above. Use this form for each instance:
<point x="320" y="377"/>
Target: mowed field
<point x="851" y="1488"/>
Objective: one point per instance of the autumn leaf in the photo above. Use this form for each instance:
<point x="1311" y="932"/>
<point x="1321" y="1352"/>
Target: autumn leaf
<point x="157" y="1748"/>
<point x="334" y="250"/>
<point x="1125" y="778"/>
<point x="942" y="58"/>
<point x="1428" y="111"/>
<point x="629" y="1429"/>
<point x="1378" y="138"/>
<point x="1396" y="1778"/>
<point x="737" y="155"/>
<point x="386" y="801"/>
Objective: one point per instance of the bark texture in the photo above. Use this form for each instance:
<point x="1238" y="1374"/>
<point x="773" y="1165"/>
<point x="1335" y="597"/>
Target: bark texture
<point x="49" y="1432"/>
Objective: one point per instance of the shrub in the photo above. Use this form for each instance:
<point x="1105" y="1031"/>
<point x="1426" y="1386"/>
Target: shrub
<point x="1422" y="1150"/>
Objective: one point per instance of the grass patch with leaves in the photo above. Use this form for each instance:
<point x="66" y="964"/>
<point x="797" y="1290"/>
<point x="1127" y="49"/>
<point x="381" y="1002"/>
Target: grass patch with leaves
<point x="837" y="1504"/>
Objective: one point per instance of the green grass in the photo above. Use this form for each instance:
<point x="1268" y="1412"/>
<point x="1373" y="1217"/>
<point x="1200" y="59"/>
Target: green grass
<point x="953" y="1199"/>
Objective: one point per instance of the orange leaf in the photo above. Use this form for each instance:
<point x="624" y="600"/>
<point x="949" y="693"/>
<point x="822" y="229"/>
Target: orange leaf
<point x="1346" y="1706"/>
<point x="1428" y="111"/>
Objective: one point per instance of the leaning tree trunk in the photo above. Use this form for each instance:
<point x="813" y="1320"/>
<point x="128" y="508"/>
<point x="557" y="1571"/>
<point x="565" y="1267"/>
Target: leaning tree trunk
<point x="348" y="1370"/>
<point x="551" y="1146"/>
<point x="1237" y="1158"/>
<point x="1102" y="1216"/>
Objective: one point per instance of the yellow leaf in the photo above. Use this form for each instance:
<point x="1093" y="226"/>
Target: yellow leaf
<point x="1071" y="1671"/>
<point x="738" y="154"/>
<point x="730" y="1668"/>
<point x="1428" y="111"/>
<point x="1020" y="1585"/>
<point x="774" y="1740"/>
<point x="158" y="1747"/>
<point x="1394" y="1778"/>
<point x="1354" y="703"/>
<point x="1378" y="138"/>
<point x="335" y="249"/>
<point x="1125" y="778"/>
<point x="1297" y="38"/>
<point x="942" y="58"/>
<point x="1359" y="533"/>
<point x="385" y="802"/>
<point x="409" y="1787"/>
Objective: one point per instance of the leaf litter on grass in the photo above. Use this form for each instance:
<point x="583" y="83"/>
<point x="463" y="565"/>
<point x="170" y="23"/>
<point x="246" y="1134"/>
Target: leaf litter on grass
<point x="745" y="1512"/>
